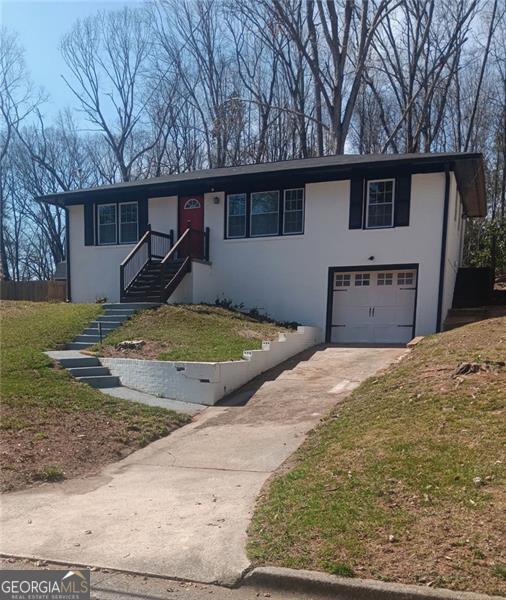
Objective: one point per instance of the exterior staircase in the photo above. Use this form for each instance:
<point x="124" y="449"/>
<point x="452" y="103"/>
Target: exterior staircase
<point x="114" y="315"/>
<point x="156" y="266"/>
<point x="88" y="369"/>
<point x="147" y="285"/>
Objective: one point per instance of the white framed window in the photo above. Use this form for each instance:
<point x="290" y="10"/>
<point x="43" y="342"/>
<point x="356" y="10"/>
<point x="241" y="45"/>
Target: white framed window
<point x="405" y="278"/>
<point x="128" y="223"/>
<point x="264" y="218"/>
<point x="106" y="224"/>
<point x="385" y="278"/>
<point x="342" y="280"/>
<point x="236" y="216"/>
<point x="191" y="203"/>
<point x="380" y="203"/>
<point x="362" y="279"/>
<point x="293" y="211"/>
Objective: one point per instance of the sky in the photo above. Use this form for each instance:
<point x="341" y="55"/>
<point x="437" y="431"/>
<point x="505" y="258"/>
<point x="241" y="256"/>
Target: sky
<point x="40" y="25"/>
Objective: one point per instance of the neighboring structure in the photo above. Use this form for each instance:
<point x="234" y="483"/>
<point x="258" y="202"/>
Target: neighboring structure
<point x="60" y="272"/>
<point x="365" y="247"/>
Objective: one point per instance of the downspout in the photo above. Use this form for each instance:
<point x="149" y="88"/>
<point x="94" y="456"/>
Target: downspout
<point x="443" y="249"/>
<point x="67" y="252"/>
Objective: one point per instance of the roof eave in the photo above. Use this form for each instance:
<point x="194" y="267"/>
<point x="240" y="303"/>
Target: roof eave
<point x="472" y="192"/>
<point x="470" y="177"/>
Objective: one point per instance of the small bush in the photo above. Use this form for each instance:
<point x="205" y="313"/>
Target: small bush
<point x="49" y="473"/>
<point x="500" y="571"/>
<point x="341" y="570"/>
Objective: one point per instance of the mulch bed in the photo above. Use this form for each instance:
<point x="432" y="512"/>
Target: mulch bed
<point x="73" y="443"/>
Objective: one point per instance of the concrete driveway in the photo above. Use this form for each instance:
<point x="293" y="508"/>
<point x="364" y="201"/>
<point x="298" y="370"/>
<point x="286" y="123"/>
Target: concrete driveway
<point x="181" y="506"/>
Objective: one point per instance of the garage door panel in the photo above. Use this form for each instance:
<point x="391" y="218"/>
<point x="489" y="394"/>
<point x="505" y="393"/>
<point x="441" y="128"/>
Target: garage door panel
<point x="373" y="306"/>
<point x="395" y="314"/>
<point x="352" y="334"/>
<point x="350" y="315"/>
<point x="390" y="334"/>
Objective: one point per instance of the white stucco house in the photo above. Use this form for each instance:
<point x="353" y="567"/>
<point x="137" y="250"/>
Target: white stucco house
<point x="365" y="247"/>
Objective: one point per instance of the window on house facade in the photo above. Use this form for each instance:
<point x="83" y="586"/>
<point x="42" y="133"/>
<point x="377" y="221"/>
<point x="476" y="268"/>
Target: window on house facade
<point x="405" y="278"/>
<point x="380" y="203"/>
<point x="128" y="223"/>
<point x="342" y="280"/>
<point x="107" y="214"/>
<point x="261" y="214"/>
<point x="236" y="216"/>
<point x="385" y="278"/>
<point x="362" y="279"/>
<point x="191" y="204"/>
<point x="117" y="223"/>
<point x="293" y="211"/>
<point x="264" y="213"/>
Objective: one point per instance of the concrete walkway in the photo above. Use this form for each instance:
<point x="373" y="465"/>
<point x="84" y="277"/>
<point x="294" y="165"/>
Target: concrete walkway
<point x="181" y="506"/>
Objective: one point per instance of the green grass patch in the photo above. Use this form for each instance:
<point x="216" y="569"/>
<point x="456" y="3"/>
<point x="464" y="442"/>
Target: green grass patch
<point x="49" y="473"/>
<point x="193" y="333"/>
<point x="500" y="571"/>
<point x="385" y="485"/>
<point x="46" y="413"/>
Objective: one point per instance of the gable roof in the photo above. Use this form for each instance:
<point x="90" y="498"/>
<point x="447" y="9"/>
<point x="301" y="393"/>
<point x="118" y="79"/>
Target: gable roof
<point x="468" y="169"/>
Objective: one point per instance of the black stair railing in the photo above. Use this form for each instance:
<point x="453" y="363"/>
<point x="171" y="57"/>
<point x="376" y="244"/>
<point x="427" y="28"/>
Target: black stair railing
<point x="152" y="245"/>
<point x="193" y="244"/>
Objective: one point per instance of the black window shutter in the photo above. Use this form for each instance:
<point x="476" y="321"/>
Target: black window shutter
<point x="402" y="200"/>
<point x="356" y="202"/>
<point x="143" y="216"/>
<point x="89" y="234"/>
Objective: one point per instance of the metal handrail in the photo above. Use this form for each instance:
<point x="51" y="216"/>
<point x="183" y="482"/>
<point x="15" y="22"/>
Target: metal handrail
<point x="152" y="244"/>
<point x="169" y="288"/>
<point x="145" y="244"/>
<point x="169" y="254"/>
<point x="159" y="243"/>
<point x="137" y="246"/>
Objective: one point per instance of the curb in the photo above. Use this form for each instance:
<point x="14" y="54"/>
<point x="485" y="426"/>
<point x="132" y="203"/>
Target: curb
<point x="342" y="588"/>
<point x="47" y="562"/>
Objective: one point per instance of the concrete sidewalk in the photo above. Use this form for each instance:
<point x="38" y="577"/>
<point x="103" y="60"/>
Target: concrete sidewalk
<point x="181" y="506"/>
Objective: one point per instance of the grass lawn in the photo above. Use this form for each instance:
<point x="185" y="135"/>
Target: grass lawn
<point x="384" y="487"/>
<point x="52" y="426"/>
<point x="191" y="332"/>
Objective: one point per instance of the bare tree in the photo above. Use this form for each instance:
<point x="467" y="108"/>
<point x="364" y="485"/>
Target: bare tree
<point x="340" y="38"/>
<point x="416" y="58"/>
<point x="108" y="56"/>
<point x="17" y="102"/>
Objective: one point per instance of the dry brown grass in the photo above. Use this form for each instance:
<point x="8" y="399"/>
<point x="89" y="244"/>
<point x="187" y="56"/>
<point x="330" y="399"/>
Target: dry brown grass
<point x="399" y="459"/>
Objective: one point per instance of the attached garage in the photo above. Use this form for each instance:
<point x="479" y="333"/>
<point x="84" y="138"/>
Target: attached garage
<point x="375" y="305"/>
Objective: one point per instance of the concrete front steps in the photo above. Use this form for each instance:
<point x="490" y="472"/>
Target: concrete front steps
<point x="88" y="369"/>
<point x="114" y="316"/>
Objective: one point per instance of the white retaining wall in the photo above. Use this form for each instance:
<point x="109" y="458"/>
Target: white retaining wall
<point x="207" y="382"/>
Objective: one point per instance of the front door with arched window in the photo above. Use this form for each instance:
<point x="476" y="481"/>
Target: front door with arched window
<point x="191" y="212"/>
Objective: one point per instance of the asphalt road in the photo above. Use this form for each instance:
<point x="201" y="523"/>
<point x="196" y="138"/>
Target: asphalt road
<point x="107" y="585"/>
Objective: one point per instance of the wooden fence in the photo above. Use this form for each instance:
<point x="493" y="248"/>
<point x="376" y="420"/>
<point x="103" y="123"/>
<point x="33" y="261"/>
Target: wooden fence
<point x="34" y="291"/>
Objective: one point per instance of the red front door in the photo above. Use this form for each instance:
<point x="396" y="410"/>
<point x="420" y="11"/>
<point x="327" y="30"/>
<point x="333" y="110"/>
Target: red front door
<point x="191" y="214"/>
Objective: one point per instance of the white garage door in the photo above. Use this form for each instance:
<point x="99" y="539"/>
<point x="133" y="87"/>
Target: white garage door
<point x="373" y="306"/>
